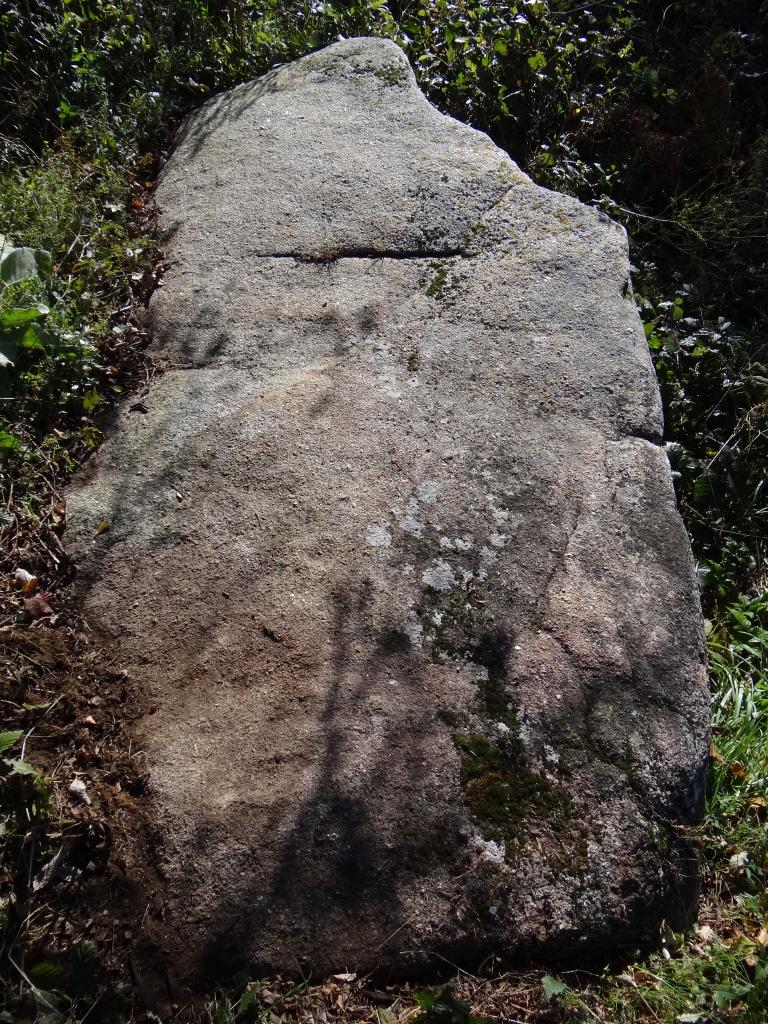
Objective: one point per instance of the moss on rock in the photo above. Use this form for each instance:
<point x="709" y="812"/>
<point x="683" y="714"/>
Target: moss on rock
<point x="499" y="790"/>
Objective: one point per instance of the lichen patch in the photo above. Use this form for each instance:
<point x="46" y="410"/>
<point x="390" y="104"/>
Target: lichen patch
<point x="378" y="536"/>
<point x="439" y="576"/>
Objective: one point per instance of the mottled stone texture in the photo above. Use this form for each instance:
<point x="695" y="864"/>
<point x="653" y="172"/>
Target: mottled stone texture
<point x="394" y="558"/>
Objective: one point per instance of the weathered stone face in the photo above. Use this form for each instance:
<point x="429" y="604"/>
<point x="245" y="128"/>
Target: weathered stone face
<point x="394" y="553"/>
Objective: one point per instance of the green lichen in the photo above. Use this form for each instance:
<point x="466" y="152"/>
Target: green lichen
<point x="446" y="282"/>
<point x="451" y="622"/>
<point x="437" y="286"/>
<point x="500" y="791"/>
<point x="453" y="719"/>
<point x="460" y="629"/>
<point x="498" y="787"/>
<point x="391" y="74"/>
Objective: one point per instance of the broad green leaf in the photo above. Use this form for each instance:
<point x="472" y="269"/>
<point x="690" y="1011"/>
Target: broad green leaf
<point x="32" y="337"/>
<point x="48" y="975"/>
<point x="19" y="767"/>
<point x="29" y="337"/>
<point x="25" y="264"/>
<point x="725" y="995"/>
<point x="249" y="1005"/>
<point x="552" y="986"/>
<point x="91" y="399"/>
<point x="17" y="316"/>
<point x="48" y="1004"/>
<point x="7" y="739"/>
<point x="8" y="443"/>
<point x="223" y="1013"/>
<point x="53" y="1016"/>
<point x="65" y="110"/>
<point x="537" y="61"/>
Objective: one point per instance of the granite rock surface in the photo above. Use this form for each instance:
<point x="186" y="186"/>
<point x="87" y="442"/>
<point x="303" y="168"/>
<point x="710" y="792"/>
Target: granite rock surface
<point x="394" y="558"/>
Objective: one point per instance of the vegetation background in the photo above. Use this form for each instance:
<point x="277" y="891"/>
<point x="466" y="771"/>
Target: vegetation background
<point x="655" y="111"/>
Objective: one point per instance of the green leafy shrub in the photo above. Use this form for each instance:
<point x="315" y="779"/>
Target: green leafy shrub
<point x="738" y="647"/>
<point x="655" y="112"/>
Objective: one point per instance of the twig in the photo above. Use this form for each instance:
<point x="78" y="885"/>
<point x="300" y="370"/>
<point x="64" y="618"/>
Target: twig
<point x="660" y="220"/>
<point x="395" y="932"/>
<point x="39" y="994"/>
<point x="24" y="742"/>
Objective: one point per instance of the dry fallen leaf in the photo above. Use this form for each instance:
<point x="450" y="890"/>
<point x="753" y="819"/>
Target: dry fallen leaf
<point x="78" y="790"/>
<point x="715" y="754"/>
<point x="759" y="802"/>
<point x="102" y="527"/>
<point x="738" y="938"/>
<point x="25" y="580"/>
<point x="707" y="934"/>
<point x="345" y="977"/>
<point x="38" y="606"/>
<point x="762" y="937"/>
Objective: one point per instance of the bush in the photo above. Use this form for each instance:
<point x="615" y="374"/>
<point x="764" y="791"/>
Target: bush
<point x="657" y="112"/>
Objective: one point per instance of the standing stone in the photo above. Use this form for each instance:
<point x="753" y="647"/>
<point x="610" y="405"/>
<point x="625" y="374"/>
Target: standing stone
<point x="394" y="557"/>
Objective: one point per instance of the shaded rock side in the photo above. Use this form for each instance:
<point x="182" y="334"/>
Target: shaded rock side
<point x="394" y="555"/>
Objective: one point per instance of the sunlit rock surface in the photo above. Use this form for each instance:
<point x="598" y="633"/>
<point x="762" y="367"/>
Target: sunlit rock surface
<point x="394" y="559"/>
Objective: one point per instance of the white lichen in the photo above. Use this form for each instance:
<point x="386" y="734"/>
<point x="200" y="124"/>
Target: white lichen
<point x="414" y="631"/>
<point x="489" y="850"/>
<point x="428" y="491"/>
<point x="411" y="525"/>
<point x="439" y="576"/>
<point x="378" y="536"/>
